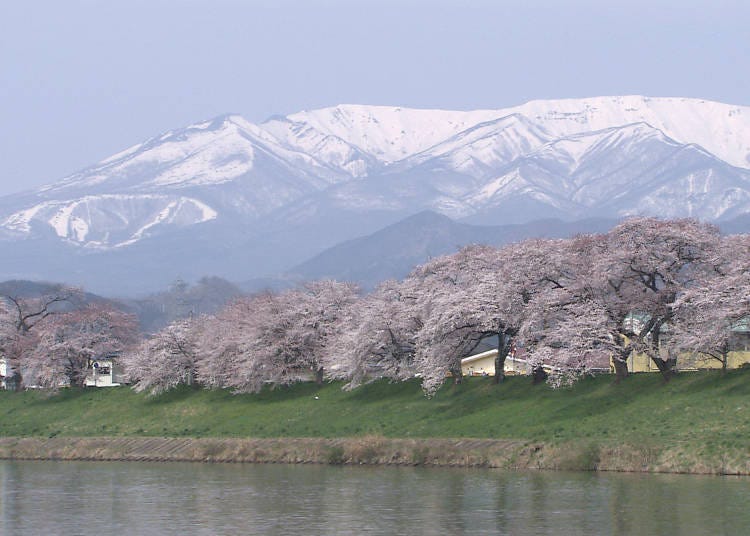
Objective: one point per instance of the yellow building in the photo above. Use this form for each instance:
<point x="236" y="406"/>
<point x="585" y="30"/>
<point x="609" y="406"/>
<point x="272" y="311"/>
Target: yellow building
<point x="483" y="364"/>
<point x="739" y="354"/>
<point x="735" y="359"/>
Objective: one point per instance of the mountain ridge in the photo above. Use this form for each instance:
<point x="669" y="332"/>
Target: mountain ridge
<point x="393" y="251"/>
<point x="263" y="197"/>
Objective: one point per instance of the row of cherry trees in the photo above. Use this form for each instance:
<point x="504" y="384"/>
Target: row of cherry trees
<point x="567" y="302"/>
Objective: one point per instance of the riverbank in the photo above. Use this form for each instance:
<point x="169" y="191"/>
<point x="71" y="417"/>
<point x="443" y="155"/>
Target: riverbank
<point x="488" y="453"/>
<point x="697" y="423"/>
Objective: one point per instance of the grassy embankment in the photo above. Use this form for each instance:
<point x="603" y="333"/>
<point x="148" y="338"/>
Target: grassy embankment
<point x="698" y="422"/>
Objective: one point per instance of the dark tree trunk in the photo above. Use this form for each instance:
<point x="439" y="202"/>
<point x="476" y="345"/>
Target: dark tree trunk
<point x="504" y="343"/>
<point x="500" y="367"/>
<point x="458" y="376"/>
<point x="621" y="369"/>
<point x="14" y="382"/>
<point x="620" y="362"/>
<point x="667" y="367"/>
<point x="76" y="370"/>
<point x="77" y="378"/>
<point x="14" y="379"/>
<point x="319" y="376"/>
<point x="538" y="375"/>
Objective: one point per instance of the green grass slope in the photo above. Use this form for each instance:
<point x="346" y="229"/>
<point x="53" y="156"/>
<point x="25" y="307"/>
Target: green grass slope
<point x="703" y="409"/>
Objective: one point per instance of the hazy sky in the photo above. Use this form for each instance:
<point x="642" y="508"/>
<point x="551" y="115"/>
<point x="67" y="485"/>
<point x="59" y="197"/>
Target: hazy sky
<point x="81" y="80"/>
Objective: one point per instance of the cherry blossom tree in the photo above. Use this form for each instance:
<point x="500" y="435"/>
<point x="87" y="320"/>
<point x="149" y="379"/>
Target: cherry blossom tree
<point x="541" y="273"/>
<point x="652" y="261"/>
<point x="569" y="338"/>
<point x="18" y="321"/>
<point x="378" y="337"/>
<point x="459" y="303"/>
<point x="621" y="288"/>
<point x="545" y="275"/>
<point x="478" y="292"/>
<point x="314" y="318"/>
<point x="164" y="360"/>
<point x="707" y="313"/>
<point x="581" y="315"/>
<point x="68" y="343"/>
<point x="7" y="328"/>
<point x="13" y="345"/>
<point x="27" y="312"/>
<point x="275" y="339"/>
<point x="231" y="344"/>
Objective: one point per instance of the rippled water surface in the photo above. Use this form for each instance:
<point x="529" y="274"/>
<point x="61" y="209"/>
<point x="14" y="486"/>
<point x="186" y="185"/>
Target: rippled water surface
<point x="177" y="498"/>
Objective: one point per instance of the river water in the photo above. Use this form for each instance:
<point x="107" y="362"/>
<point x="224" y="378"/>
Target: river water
<point x="192" y="498"/>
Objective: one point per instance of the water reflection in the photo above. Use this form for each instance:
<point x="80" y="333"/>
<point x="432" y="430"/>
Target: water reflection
<point x="151" y="498"/>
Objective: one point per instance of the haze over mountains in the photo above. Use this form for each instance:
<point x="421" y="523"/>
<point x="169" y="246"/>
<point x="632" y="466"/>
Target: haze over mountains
<point x="391" y="252"/>
<point x="240" y="200"/>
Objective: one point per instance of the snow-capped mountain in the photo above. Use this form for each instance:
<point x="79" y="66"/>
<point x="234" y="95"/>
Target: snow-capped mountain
<point x="629" y="170"/>
<point x="284" y="189"/>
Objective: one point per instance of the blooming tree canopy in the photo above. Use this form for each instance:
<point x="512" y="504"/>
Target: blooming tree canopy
<point x="69" y="342"/>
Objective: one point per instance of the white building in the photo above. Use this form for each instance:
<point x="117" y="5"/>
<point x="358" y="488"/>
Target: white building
<point x="3" y="372"/>
<point x="105" y="372"/>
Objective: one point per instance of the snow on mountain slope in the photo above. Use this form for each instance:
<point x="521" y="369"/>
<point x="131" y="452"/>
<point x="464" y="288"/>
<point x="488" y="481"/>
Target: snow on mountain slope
<point x="482" y="148"/>
<point x="570" y="157"/>
<point x="392" y="133"/>
<point x="110" y="220"/>
<point x="690" y="182"/>
<point x="226" y="165"/>
<point x="634" y="169"/>
<point x="209" y="153"/>
<point x="328" y="148"/>
<point x="722" y="129"/>
<point x="572" y="177"/>
<point x="386" y="133"/>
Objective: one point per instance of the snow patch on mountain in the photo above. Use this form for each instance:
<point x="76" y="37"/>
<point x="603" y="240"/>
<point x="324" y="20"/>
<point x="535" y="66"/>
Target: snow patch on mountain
<point x="483" y="147"/>
<point x="387" y="133"/>
<point x="20" y="221"/>
<point x="208" y="154"/>
<point x="722" y="129"/>
<point x="180" y="211"/>
<point x="111" y="220"/>
<point x="628" y="170"/>
<point x="221" y="160"/>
